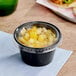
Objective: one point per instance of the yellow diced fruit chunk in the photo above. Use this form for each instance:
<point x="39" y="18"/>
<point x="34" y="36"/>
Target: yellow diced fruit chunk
<point x="39" y="30"/>
<point x="34" y="28"/>
<point x="33" y="35"/>
<point x="30" y="45"/>
<point x="51" y="39"/>
<point x="41" y="38"/>
<point x="45" y="42"/>
<point x="54" y="35"/>
<point x="44" y="30"/>
<point x="32" y="32"/>
<point x="23" y="31"/>
<point x="22" y="40"/>
<point x="36" y="45"/>
<point x="26" y="36"/>
<point x="31" y="40"/>
<point x="49" y="31"/>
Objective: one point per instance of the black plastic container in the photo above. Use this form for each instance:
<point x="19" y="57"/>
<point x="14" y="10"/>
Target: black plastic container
<point x="38" y="56"/>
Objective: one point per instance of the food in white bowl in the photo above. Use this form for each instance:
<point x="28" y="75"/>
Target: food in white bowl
<point x="64" y="3"/>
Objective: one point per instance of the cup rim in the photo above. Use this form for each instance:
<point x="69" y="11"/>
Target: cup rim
<point x="52" y="46"/>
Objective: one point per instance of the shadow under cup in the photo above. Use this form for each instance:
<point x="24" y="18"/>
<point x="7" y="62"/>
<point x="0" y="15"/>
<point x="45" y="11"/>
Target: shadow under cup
<point x="38" y="56"/>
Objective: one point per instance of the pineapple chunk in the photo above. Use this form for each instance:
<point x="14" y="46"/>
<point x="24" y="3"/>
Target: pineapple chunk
<point x="39" y="30"/>
<point x="44" y="29"/>
<point x="23" y="31"/>
<point x="26" y="36"/>
<point x="32" y="32"/>
<point x="22" y="40"/>
<point x="34" y="28"/>
<point x="41" y="38"/>
<point x="31" y="40"/>
<point x="33" y="35"/>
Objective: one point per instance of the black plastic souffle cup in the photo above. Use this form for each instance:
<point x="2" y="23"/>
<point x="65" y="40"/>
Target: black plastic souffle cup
<point x="37" y="56"/>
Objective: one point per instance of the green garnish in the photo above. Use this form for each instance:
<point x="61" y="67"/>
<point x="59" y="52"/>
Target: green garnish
<point x="68" y="1"/>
